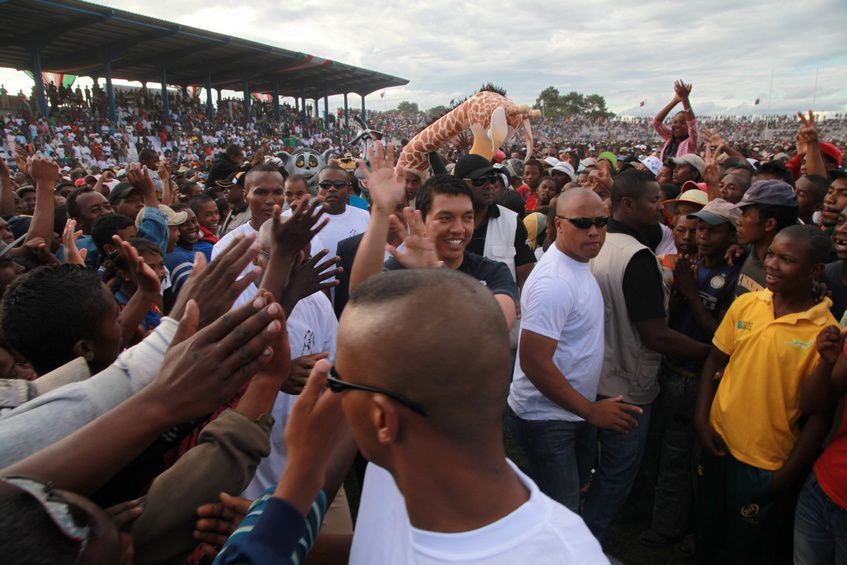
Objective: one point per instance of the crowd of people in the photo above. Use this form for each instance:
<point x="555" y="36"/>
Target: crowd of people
<point x="199" y="345"/>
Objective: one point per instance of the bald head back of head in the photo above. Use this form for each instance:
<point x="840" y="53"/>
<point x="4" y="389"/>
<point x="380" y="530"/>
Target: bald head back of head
<point x="436" y="336"/>
<point x="574" y="198"/>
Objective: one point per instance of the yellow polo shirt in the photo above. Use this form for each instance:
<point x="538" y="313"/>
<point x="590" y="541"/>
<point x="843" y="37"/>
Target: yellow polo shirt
<point x="756" y="407"/>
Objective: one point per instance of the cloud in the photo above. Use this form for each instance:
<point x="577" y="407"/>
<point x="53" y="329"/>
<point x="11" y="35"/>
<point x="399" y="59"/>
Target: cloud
<point x="627" y="52"/>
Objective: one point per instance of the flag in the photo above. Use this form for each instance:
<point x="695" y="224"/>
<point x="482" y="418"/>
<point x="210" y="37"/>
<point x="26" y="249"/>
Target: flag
<point x="262" y="97"/>
<point x="59" y="79"/>
<point x="756" y="103"/>
<point x="641" y="104"/>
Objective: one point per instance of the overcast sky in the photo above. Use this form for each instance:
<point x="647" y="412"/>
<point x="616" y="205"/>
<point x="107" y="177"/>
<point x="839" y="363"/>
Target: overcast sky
<point x="625" y="51"/>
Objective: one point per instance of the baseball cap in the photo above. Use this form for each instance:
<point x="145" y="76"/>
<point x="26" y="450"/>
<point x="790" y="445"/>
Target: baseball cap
<point x="566" y="168"/>
<point x="79" y="182"/>
<point x="551" y="161"/>
<point x="173" y="218"/>
<point x="837" y="174"/>
<point x="696" y="197"/>
<point x="691" y="185"/>
<point x="770" y="192"/>
<point x="121" y="191"/>
<point x="831" y="151"/>
<point x="690" y="159"/>
<point x="608" y="156"/>
<point x="587" y="162"/>
<point x="472" y="167"/>
<point x="717" y="212"/>
<point x="653" y="164"/>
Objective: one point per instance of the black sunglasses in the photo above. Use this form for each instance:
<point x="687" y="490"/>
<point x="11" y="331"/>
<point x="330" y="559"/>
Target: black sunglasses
<point x="585" y="223"/>
<point x="338" y="184"/>
<point x="336" y="384"/>
<point x="481" y="181"/>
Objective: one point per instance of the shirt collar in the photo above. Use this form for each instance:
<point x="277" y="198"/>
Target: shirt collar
<point x="817" y="314"/>
<point x="615" y="226"/>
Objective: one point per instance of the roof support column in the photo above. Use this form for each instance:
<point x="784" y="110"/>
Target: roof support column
<point x="277" y="110"/>
<point x="303" y="110"/>
<point x="363" y="108"/>
<point x="166" y="110"/>
<point x="346" y="112"/>
<point x="210" y="110"/>
<point x="39" y="81"/>
<point x="110" y="92"/>
<point x="317" y="110"/>
<point x="326" y="111"/>
<point x="246" y="88"/>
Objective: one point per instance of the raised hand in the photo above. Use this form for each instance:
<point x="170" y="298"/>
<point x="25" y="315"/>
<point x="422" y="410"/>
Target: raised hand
<point x="419" y="248"/>
<point x="215" y="522"/>
<point x="310" y="276"/>
<point x="600" y="179"/>
<point x="205" y="369"/>
<point x="139" y="177"/>
<point x="39" y="249"/>
<point x="711" y="172"/>
<point x="830" y="344"/>
<point x="314" y="430"/>
<point x="73" y="255"/>
<point x="681" y="90"/>
<point x="43" y="172"/>
<point x="216" y="286"/>
<point x="141" y="275"/>
<point x="293" y="235"/>
<point x="385" y="190"/>
<point x="300" y="370"/>
<point x="807" y="132"/>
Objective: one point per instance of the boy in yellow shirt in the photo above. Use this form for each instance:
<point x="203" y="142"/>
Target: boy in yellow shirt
<point x="757" y="445"/>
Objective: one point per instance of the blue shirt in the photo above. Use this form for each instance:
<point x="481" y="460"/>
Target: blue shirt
<point x="179" y="262"/>
<point x="151" y="319"/>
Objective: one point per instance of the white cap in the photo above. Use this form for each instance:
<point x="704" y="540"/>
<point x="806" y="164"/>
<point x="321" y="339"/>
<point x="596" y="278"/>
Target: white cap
<point x="653" y="164"/>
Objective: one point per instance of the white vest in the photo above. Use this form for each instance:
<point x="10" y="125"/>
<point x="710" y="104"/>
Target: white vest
<point x="629" y="368"/>
<point x="500" y="239"/>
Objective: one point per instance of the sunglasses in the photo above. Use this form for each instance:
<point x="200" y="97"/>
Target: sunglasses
<point x="72" y="521"/>
<point x="337" y="184"/>
<point x="336" y="384"/>
<point x="585" y="223"/>
<point x="482" y="181"/>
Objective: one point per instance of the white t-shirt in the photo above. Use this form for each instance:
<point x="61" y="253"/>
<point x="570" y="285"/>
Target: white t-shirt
<point x="226" y="240"/>
<point x="312" y="327"/>
<point x="561" y="301"/>
<point x="341" y="226"/>
<point x="666" y="245"/>
<point x="540" y="531"/>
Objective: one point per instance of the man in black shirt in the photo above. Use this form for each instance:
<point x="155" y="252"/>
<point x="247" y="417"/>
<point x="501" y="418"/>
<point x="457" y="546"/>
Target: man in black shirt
<point x="439" y="232"/>
<point x="227" y="164"/>
<point x="491" y="221"/>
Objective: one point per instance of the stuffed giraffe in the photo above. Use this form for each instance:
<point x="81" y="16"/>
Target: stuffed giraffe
<point x="492" y="118"/>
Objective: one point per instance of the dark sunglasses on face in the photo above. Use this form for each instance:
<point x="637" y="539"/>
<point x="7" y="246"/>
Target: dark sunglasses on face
<point x="336" y="384"/>
<point x="337" y="184"/>
<point x="481" y="181"/>
<point x="585" y="223"/>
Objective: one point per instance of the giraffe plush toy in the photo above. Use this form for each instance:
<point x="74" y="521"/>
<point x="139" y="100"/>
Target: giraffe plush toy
<point x="491" y="117"/>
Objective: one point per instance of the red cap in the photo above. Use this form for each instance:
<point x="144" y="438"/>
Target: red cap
<point x="499" y="156"/>
<point x="79" y="182"/>
<point x="831" y="151"/>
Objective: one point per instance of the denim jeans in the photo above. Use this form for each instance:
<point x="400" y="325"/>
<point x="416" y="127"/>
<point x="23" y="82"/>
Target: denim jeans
<point x="619" y="459"/>
<point x="820" y="527"/>
<point x="559" y="454"/>
<point x="674" y="494"/>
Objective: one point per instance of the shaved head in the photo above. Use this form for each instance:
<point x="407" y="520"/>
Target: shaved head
<point x="575" y="198"/>
<point x="436" y="336"/>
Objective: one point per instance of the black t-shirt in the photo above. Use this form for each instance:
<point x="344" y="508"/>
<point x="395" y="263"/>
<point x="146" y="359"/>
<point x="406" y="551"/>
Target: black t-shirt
<point x="523" y="254"/>
<point x="643" y="287"/>
<point x="493" y="274"/>
<point x="512" y="200"/>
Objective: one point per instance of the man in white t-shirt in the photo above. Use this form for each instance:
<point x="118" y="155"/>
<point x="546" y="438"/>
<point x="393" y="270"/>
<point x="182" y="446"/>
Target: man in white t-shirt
<point x="422" y="366"/>
<point x="344" y="221"/>
<point x="560" y="354"/>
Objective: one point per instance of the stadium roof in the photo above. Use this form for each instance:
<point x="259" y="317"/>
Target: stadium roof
<point x="78" y="38"/>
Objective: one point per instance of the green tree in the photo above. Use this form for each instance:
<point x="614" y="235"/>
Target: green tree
<point x="571" y="104"/>
<point x="595" y="107"/>
<point x="437" y="111"/>
<point x="405" y="107"/>
<point x="550" y="101"/>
